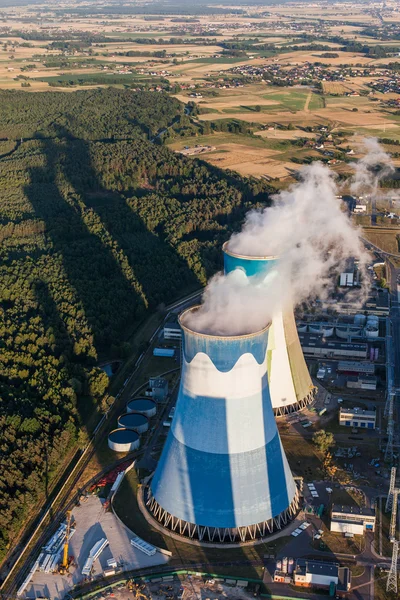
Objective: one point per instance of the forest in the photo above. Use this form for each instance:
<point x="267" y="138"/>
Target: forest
<point x="99" y="226"/>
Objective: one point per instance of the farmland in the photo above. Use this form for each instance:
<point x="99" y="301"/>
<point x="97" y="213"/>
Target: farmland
<point x="271" y="72"/>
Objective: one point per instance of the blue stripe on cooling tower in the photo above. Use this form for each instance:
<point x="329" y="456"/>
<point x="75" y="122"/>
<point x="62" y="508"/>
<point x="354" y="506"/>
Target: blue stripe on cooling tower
<point x="251" y="266"/>
<point x="210" y="413"/>
<point x="216" y="348"/>
<point x="222" y="490"/>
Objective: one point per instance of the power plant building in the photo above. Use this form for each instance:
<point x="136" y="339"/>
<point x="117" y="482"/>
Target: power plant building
<point x="223" y="475"/>
<point x="320" y="347"/>
<point x="290" y="383"/>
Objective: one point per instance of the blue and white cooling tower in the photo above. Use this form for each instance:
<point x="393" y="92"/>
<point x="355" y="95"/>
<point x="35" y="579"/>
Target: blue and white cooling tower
<point x="290" y="383"/>
<point x="223" y="475"/>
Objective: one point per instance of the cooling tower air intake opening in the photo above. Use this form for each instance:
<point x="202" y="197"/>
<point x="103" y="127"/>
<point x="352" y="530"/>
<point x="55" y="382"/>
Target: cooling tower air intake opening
<point x="215" y="336"/>
<point x="227" y="250"/>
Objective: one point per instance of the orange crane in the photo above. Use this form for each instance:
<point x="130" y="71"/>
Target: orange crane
<point x="65" y="563"/>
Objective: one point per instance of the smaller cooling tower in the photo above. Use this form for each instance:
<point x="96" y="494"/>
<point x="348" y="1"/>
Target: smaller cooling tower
<point x="223" y="475"/>
<point x="289" y="380"/>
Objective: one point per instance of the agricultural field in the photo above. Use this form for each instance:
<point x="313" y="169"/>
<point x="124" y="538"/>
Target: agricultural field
<point x="262" y="71"/>
<point x="334" y="87"/>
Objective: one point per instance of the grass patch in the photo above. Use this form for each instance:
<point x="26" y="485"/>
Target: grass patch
<point x="338" y="544"/>
<point x="291" y="100"/>
<point x="384" y="239"/>
<point x="357" y="570"/>
<point x="380" y="587"/>
<point x="217" y="139"/>
<point x="302" y="456"/>
<point x="316" y="102"/>
<point x="384" y="518"/>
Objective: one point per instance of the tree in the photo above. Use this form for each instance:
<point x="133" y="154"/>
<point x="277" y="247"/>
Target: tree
<point x="323" y="440"/>
<point x="257" y="108"/>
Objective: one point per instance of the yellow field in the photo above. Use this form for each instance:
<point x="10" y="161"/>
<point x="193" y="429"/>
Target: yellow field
<point x="334" y="87"/>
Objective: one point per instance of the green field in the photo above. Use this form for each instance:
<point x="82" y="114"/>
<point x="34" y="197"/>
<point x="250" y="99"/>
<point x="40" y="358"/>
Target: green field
<point x="316" y="102"/>
<point x="217" y="139"/>
<point x="291" y="100"/>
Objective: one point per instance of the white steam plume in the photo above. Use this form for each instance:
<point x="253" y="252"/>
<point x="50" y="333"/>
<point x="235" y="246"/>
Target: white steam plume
<point x="312" y="237"/>
<point x="369" y="170"/>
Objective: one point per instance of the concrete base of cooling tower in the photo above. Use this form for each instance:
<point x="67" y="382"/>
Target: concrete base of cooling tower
<point x="298" y="406"/>
<point x="183" y="531"/>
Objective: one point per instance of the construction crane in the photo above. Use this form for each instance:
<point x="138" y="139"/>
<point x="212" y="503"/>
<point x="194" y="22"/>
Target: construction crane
<point x="64" y="565"/>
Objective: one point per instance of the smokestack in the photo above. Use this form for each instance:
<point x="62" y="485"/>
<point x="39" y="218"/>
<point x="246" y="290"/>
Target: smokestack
<point x="290" y="383"/>
<point x="223" y="475"/>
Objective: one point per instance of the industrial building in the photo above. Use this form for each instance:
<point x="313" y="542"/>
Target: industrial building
<point x="172" y="331"/>
<point x="352" y="519"/>
<point x="223" y="475"/>
<point x="320" y="347"/>
<point x="350" y="276"/>
<point x="314" y="573"/>
<point x="159" y="388"/>
<point x="357" y="417"/>
<point x="362" y="382"/>
<point x="356" y="368"/>
<point x="290" y="383"/>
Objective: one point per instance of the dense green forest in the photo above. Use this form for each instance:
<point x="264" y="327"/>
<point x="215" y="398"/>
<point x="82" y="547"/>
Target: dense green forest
<point x="98" y="226"/>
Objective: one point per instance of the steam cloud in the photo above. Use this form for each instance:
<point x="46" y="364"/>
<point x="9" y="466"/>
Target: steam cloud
<point x="374" y="166"/>
<point x="313" y="238"/>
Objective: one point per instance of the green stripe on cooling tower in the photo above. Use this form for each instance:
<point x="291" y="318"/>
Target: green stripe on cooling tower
<point x="270" y="348"/>
<point x="301" y="377"/>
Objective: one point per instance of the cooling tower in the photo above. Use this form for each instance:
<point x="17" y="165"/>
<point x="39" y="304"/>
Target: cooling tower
<point x="290" y="383"/>
<point x="223" y="475"/>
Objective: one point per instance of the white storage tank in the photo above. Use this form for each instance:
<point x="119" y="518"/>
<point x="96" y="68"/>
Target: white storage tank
<point x="373" y="320"/>
<point x="284" y="564"/>
<point x="342" y="332"/>
<point x="360" y="320"/>
<point x="123" y="440"/>
<point x="371" y="331"/>
<point x="345" y="331"/>
<point x="145" y="406"/>
<point x="321" y="330"/>
<point x="135" y="421"/>
<point x="279" y="565"/>
<point x="290" y="565"/>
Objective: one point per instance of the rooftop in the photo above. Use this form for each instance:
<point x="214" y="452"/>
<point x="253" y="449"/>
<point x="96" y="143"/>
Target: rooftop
<point x="317" y="567"/>
<point x="172" y="325"/>
<point x="358" y="411"/>
<point x="352" y="365"/>
<point x="353" y="510"/>
<point x="311" y="339"/>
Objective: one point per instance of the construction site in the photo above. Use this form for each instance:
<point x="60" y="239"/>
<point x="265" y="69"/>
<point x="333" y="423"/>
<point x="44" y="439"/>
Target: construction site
<point x="92" y="543"/>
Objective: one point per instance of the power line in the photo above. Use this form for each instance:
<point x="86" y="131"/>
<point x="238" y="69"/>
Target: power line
<point x="391" y="585"/>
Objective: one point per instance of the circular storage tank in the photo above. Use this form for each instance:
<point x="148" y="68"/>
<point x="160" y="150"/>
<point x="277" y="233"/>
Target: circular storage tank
<point x="344" y="331"/>
<point x="135" y="421"/>
<point x="360" y="320"/>
<point x="325" y="331"/>
<point x="373" y="320"/>
<point x="371" y="331"/>
<point x="144" y="406"/>
<point x="123" y="440"/>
